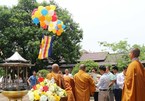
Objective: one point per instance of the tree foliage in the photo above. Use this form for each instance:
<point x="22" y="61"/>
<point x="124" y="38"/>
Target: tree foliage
<point x="17" y="29"/>
<point x="43" y="72"/>
<point x="89" y="66"/>
<point x="122" y="47"/>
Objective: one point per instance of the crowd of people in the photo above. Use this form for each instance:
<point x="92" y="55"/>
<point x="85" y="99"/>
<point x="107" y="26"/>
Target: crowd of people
<point x="128" y="85"/>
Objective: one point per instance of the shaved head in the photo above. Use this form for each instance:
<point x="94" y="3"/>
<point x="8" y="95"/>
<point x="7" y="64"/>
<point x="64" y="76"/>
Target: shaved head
<point x="82" y="67"/>
<point x="55" y="68"/>
<point x="134" y="53"/>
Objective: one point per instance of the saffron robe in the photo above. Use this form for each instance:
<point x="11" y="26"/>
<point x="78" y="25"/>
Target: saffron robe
<point x="134" y="84"/>
<point x="57" y="77"/>
<point x="84" y="86"/>
<point x="69" y="86"/>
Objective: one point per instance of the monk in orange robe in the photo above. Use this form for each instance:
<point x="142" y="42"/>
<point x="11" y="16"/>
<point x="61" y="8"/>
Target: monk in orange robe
<point x="134" y="84"/>
<point x="57" y="77"/>
<point x="84" y="85"/>
<point x="69" y="88"/>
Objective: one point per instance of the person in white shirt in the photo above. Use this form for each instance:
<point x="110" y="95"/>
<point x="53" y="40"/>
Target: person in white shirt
<point x="112" y="81"/>
<point x="103" y="85"/>
<point x="96" y="78"/>
<point x="67" y="73"/>
<point x="120" y="82"/>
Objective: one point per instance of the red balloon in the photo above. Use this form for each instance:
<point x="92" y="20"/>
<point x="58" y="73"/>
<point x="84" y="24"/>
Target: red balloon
<point x="44" y="27"/>
<point x="54" y="18"/>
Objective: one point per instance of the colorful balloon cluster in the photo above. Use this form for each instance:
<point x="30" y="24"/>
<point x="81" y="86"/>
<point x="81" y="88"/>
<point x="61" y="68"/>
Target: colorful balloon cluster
<point x="48" y="19"/>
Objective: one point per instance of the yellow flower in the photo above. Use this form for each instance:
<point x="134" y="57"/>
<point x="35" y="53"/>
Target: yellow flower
<point x="35" y="92"/>
<point x="42" y="83"/>
<point x="57" y="98"/>
<point x="37" y="97"/>
<point x="43" y="93"/>
<point x="37" y="86"/>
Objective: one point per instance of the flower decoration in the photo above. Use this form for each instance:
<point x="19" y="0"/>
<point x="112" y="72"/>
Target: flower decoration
<point x="46" y="90"/>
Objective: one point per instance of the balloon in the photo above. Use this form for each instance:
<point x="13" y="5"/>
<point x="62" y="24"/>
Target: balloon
<point x="40" y="8"/>
<point x="34" y="11"/>
<point x="33" y="16"/>
<point x="54" y="31"/>
<point x="56" y="27"/>
<point x="47" y="22"/>
<point x="58" y="21"/>
<point x="42" y="24"/>
<point x="63" y="26"/>
<point x="51" y="24"/>
<point x="53" y="7"/>
<point x="48" y="18"/>
<point x="37" y="14"/>
<point x="55" y="13"/>
<point x="54" y="18"/>
<point x="48" y="8"/>
<point x="44" y="12"/>
<point x="36" y="21"/>
<point x="44" y="27"/>
<point x="42" y="18"/>
<point x="61" y="30"/>
<point x="58" y="33"/>
<point x="50" y="29"/>
<point x="51" y="12"/>
<point x="59" y="26"/>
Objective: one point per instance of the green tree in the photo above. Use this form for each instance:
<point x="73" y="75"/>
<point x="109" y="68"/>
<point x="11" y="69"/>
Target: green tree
<point x="122" y="47"/>
<point x="18" y="30"/>
<point x="89" y="64"/>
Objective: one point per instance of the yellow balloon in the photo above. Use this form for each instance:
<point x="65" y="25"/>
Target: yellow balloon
<point x="53" y="7"/>
<point x="61" y="30"/>
<point x="48" y="8"/>
<point x="40" y="8"/>
<point x="50" y="29"/>
<point x="54" y="31"/>
<point x="48" y="18"/>
<point x="37" y="14"/>
<point x="51" y="25"/>
<point x="62" y="22"/>
<point x="33" y="16"/>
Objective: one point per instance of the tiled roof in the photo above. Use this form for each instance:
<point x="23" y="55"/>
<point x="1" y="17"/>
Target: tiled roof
<point x="97" y="56"/>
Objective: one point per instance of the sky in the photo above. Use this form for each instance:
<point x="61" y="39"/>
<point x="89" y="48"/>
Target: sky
<point x="105" y="20"/>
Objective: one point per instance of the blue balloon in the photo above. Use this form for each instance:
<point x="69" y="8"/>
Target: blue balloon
<point x="44" y="12"/>
<point x="59" y="22"/>
<point x="63" y="26"/>
<point x="36" y="21"/>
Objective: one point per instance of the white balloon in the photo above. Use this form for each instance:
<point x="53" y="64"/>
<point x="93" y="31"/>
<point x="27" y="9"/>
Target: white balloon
<point x="51" y="12"/>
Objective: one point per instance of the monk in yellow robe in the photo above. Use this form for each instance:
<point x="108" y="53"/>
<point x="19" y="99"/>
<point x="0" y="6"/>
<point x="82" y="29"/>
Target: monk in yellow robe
<point x="57" y="77"/>
<point x="134" y="84"/>
<point x="84" y="85"/>
<point x="69" y="87"/>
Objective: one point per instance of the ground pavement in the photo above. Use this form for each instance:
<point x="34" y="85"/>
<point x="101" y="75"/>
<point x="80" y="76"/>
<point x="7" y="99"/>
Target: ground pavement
<point x="25" y="98"/>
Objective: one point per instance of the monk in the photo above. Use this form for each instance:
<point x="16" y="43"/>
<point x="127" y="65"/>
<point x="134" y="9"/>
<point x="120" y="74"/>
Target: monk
<point x="57" y="77"/>
<point x="84" y="85"/>
<point x="69" y="88"/>
<point x="134" y="84"/>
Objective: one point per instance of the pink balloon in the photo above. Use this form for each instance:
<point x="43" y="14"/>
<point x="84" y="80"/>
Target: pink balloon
<point x="55" y="13"/>
<point x="34" y="11"/>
